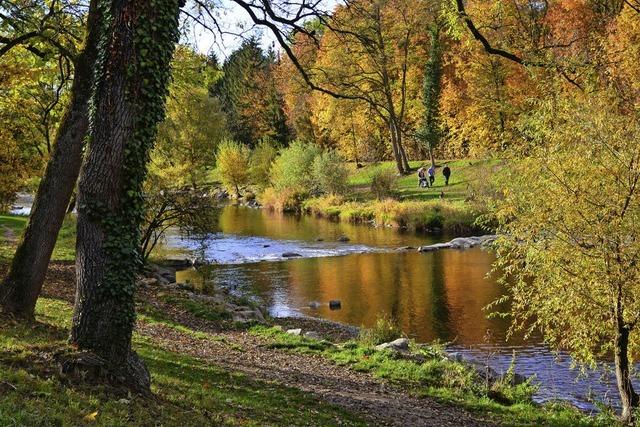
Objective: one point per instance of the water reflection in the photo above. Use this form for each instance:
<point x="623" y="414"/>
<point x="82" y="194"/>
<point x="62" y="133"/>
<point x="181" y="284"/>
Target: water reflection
<point x="433" y="296"/>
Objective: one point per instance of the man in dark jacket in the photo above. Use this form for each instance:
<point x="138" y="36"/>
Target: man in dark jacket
<point x="447" y="173"/>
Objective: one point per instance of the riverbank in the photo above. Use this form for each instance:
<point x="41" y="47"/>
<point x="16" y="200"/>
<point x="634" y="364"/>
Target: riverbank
<point x="207" y="370"/>
<point x="451" y="208"/>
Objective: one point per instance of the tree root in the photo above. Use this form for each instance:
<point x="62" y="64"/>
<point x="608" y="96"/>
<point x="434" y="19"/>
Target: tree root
<point x="89" y="368"/>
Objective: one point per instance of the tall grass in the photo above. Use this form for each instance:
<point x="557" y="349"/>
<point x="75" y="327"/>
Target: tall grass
<point x="455" y="218"/>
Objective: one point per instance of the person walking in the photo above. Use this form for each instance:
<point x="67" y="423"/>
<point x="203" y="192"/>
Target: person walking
<point x="422" y="179"/>
<point x="432" y="175"/>
<point x="446" y="171"/>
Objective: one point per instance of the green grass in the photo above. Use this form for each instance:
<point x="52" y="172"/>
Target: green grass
<point x="439" y="378"/>
<point x="65" y="249"/>
<point x="463" y="175"/>
<point x="188" y="391"/>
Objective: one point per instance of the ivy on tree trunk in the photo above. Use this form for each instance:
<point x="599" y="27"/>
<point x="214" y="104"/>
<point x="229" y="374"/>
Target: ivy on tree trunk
<point x="131" y="80"/>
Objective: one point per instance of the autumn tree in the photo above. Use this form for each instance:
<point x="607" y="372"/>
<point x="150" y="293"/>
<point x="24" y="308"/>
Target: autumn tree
<point x="249" y="96"/>
<point x="365" y="56"/>
<point x="21" y="287"/>
<point x="569" y="233"/>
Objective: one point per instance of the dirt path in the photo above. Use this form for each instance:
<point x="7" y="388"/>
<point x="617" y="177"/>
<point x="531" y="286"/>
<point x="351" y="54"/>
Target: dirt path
<point x="357" y="392"/>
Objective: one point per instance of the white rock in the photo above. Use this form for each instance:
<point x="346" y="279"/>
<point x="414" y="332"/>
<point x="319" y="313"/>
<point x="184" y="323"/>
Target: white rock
<point x="296" y="332"/>
<point x="401" y="344"/>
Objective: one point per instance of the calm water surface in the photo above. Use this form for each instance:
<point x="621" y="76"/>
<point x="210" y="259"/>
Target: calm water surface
<point x="436" y="296"/>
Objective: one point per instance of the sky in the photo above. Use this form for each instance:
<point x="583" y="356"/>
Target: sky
<point x="234" y="21"/>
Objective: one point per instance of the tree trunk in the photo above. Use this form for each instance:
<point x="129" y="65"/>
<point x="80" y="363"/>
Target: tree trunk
<point x="131" y="83"/>
<point x="397" y="154"/>
<point x="21" y="288"/>
<point x="628" y="396"/>
<point x="403" y="153"/>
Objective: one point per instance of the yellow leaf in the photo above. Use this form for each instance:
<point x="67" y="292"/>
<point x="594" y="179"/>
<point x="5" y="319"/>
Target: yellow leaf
<point x="91" y="417"/>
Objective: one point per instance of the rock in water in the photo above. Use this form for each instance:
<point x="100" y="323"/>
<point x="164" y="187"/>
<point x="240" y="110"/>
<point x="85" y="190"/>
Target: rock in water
<point x="335" y="304"/>
<point x="291" y="255"/>
<point x="343" y="239"/>
<point x="314" y="304"/>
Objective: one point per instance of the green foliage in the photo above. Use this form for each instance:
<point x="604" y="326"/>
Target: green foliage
<point x="384" y="184"/>
<point x="293" y="169"/>
<point x="568" y="220"/>
<point x="330" y="173"/>
<point x="431" y="89"/>
<point x="249" y="97"/>
<point x="384" y="330"/>
<point x="262" y="158"/>
<point x="233" y="165"/>
<point x="193" y="127"/>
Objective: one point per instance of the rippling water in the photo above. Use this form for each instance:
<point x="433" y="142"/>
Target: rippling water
<point x="436" y="296"/>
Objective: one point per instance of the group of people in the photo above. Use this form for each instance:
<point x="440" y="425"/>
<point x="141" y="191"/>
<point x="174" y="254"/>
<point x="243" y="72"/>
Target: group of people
<point x="427" y="178"/>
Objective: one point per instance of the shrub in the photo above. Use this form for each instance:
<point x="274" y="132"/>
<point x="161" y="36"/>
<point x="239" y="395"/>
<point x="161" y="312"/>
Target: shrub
<point x="292" y="170"/>
<point x="280" y="200"/>
<point x="233" y="165"/>
<point x="384" y="183"/>
<point x="262" y="159"/>
<point x="330" y="173"/>
<point x="384" y="330"/>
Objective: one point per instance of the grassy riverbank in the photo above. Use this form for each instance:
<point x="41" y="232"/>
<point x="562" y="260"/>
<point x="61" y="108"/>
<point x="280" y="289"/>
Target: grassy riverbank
<point x="208" y="372"/>
<point x="451" y="208"/>
<point x="188" y="391"/>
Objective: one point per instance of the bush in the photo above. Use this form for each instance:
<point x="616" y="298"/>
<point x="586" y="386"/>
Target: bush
<point x="330" y="173"/>
<point x="293" y="169"/>
<point x="384" y="183"/>
<point x="280" y="200"/>
<point x="262" y="159"/>
<point x="233" y="165"/>
<point x="385" y="330"/>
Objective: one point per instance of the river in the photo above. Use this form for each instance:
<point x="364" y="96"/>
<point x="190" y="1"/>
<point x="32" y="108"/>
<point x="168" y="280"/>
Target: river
<point x="437" y="296"/>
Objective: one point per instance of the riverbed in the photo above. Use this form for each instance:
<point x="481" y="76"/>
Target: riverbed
<point x="437" y="296"/>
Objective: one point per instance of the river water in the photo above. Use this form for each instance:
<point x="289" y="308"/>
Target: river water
<point x="436" y="296"/>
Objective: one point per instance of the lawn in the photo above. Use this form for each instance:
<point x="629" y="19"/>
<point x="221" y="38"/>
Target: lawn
<point x="12" y="226"/>
<point x="188" y="391"/>
<point x="464" y="173"/>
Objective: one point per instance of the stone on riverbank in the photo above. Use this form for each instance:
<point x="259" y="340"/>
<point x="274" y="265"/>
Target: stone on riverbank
<point x="295" y="332"/>
<point x="313" y="335"/>
<point x="400" y="345"/>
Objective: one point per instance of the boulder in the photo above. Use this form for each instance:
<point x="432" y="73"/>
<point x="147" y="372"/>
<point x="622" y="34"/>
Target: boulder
<point x="401" y="345"/>
<point x="314" y="304"/>
<point x="295" y="332"/>
<point x="343" y="239"/>
<point x="319" y="239"/>
<point x="312" y="335"/>
<point x="335" y="304"/>
<point x="291" y="255"/>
